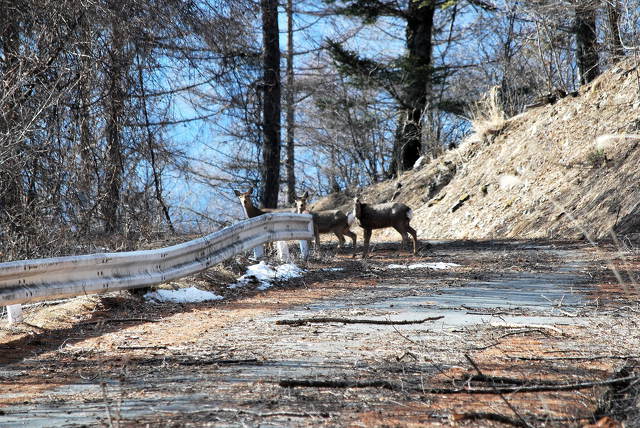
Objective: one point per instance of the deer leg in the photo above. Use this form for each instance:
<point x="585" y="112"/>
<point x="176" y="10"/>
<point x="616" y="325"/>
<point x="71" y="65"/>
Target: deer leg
<point x="367" y="238"/>
<point x="402" y="231"/>
<point x="316" y="233"/>
<point x="414" y="235"/>
<point x="340" y="239"/>
<point x="353" y="236"/>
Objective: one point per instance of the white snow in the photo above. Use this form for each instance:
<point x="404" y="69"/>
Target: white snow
<point x="265" y="275"/>
<point x="436" y="265"/>
<point x="181" y="295"/>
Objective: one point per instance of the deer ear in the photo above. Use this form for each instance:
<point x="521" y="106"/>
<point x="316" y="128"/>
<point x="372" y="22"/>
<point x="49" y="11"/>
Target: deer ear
<point x="250" y="191"/>
<point x="236" y="192"/>
<point x="306" y="195"/>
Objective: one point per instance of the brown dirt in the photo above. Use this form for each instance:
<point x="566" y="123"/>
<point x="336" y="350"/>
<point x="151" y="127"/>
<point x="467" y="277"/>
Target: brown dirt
<point x="219" y="364"/>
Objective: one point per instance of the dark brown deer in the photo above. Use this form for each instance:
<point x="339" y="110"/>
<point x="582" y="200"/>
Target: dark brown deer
<point x="379" y="216"/>
<point x="328" y="221"/>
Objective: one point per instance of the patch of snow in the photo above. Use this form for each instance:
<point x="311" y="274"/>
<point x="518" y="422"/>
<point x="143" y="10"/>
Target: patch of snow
<point x="265" y="275"/>
<point x="436" y="265"/>
<point x="181" y="295"/>
<point x="335" y="269"/>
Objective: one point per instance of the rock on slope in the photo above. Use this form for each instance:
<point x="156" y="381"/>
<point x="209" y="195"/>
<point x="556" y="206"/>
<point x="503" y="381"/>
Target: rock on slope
<point x="556" y="171"/>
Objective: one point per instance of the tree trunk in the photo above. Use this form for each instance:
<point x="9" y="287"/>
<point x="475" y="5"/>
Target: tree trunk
<point x="86" y="173"/>
<point x="613" y="18"/>
<point x="115" y="117"/>
<point x="157" y="179"/>
<point x="271" y="107"/>
<point x="290" y="163"/>
<point x="11" y="189"/>
<point x="586" y="42"/>
<point x="408" y="142"/>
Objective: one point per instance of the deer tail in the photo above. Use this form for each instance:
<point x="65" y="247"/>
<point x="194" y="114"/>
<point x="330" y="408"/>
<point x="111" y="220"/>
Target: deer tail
<point x="409" y="214"/>
<point x="351" y="218"/>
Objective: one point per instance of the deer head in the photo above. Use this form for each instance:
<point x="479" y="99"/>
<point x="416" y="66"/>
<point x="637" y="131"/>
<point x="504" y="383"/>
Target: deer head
<point x="245" y="199"/>
<point x="357" y="207"/>
<point x="301" y="203"/>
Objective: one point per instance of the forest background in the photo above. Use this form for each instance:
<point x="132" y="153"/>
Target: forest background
<point x="125" y="120"/>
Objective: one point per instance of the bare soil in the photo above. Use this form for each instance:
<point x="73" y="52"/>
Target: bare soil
<point x="541" y="315"/>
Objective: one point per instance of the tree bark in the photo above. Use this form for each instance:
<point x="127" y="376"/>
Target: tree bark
<point x="115" y="112"/>
<point x="157" y="180"/>
<point x="271" y="106"/>
<point x="613" y="18"/>
<point x="587" y="42"/>
<point x="417" y="88"/>
<point x="11" y="189"/>
<point x="290" y="163"/>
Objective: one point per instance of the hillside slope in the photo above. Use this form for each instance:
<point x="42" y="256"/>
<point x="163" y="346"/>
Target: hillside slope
<point x="554" y="171"/>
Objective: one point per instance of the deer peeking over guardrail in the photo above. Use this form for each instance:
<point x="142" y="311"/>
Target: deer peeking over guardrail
<point x="252" y="211"/>
<point x="379" y="216"/>
<point x="328" y="221"/>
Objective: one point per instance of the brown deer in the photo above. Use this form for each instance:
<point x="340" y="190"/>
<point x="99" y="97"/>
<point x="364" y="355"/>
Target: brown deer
<point x="379" y="216"/>
<point x="328" y="221"/>
<point x="251" y="210"/>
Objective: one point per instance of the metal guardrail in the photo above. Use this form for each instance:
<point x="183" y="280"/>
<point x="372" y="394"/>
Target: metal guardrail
<point x="32" y="280"/>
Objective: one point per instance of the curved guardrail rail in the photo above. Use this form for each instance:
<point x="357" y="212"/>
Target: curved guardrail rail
<point x="32" y="280"/>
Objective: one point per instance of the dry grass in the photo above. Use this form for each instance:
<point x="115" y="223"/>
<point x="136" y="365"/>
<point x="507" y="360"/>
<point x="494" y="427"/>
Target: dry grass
<point x="487" y="115"/>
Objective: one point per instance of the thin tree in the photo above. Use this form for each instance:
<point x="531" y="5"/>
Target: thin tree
<point x="290" y="115"/>
<point x="271" y="104"/>
<point x="586" y="41"/>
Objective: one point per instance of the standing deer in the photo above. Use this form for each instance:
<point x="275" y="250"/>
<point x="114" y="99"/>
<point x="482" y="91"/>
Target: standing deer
<point x="328" y="221"/>
<point x="379" y="216"/>
<point x="251" y="210"/>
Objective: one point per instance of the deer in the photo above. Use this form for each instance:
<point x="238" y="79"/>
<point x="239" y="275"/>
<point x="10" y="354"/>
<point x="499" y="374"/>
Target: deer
<point x="251" y="210"/>
<point x="328" y="221"/>
<point x="379" y="216"/>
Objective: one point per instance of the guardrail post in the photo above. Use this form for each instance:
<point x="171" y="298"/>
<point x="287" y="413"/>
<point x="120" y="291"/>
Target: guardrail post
<point x="14" y="313"/>
<point x="258" y="252"/>
<point x="283" y="251"/>
<point x="304" y="249"/>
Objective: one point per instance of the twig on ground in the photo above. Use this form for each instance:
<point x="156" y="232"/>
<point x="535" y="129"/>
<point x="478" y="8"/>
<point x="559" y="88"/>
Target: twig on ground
<point x="142" y="347"/>
<point x="291" y="383"/>
<point x="303" y="321"/>
<point x="509" y="405"/>
<point x="591" y="358"/>
<point x="474" y="416"/>
<point x="108" y="320"/>
<point x="269" y="414"/>
<point x="523" y="331"/>
<point x="529" y="326"/>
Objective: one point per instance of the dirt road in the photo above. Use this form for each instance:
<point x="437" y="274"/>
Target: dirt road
<point x="466" y="333"/>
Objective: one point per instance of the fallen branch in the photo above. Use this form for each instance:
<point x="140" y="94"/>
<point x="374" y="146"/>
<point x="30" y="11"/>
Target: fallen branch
<point x="292" y="383"/>
<point x="591" y="358"/>
<point x="530" y="326"/>
<point x="135" y="348"/>
<point x="303" y="321"/>
<point x="104" y="321"/>
<point x="496" y="380"/>
<point x="522" y="421"/>
<point x="212" y="362"/>
<point x="474" y="416"/>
